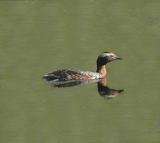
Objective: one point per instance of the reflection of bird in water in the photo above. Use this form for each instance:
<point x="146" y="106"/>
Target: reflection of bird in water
<point x="73" y="83"/>
<point x="102" y="87"/>
<point x="105" y="91"/>
<point x="73" y="74"/>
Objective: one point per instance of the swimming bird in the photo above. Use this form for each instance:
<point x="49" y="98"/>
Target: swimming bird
<point x="74" y="74"/>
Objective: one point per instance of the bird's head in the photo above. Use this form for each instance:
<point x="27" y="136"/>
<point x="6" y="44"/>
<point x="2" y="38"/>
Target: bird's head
<point x="107" y="57"/>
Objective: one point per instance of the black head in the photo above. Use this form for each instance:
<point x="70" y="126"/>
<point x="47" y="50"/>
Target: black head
<point x="106" y="57"/>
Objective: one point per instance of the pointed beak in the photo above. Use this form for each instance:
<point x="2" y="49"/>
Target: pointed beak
<point x="118" y="58"/>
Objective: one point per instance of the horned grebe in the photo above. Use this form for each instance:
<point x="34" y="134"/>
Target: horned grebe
<point x="74" y="74"/>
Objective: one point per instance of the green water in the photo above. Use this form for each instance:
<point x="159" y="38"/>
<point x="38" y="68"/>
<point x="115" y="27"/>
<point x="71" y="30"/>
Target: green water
<point x="40" y="36"/>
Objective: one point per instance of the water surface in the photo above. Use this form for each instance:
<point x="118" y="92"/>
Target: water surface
<point x="40" y="36"/>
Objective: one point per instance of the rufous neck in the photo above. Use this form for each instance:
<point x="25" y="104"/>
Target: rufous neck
<point x="102" y="70"/>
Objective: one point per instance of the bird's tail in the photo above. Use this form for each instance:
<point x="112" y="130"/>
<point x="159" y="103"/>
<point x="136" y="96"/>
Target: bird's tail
<point x="50" y="77"/>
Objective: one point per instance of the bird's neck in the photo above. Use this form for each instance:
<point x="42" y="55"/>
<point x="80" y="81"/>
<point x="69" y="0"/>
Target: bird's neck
<point x="102" y="70"/>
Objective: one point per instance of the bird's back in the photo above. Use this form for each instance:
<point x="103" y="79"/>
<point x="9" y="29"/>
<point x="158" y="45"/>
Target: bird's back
<point x="71" y="74"/>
